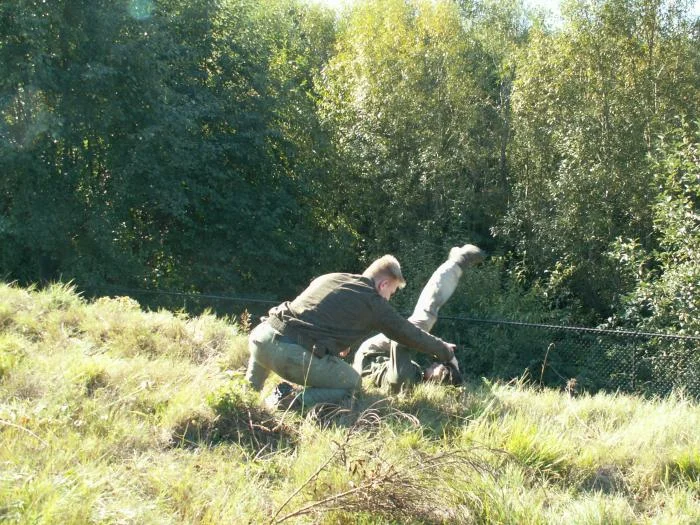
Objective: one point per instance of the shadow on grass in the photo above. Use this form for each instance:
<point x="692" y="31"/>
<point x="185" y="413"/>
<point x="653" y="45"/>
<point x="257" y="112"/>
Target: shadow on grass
<point x="438" y="410"/>
<point x="236" y="416"/>
<point x="252" y="428"/>
<point x="236" y="419"/>
<point x="606" y="479"/>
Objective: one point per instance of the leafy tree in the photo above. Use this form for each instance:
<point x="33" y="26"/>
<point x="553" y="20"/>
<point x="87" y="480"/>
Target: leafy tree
<point x="588" y="101"/>
<point x="56" y="115"/>
<point x="164" y="145"/>
<point x="246" y="146"/>
<point x="666" y="279"/>
<point x="409" y="101"/>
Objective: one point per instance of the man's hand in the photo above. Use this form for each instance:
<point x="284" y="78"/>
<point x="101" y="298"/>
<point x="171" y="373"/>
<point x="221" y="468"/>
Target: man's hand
<point x="454" y="362"/>
<point x="453" y="359"/>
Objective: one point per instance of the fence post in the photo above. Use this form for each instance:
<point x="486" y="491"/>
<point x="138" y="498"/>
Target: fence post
<point x="634" y="366"/>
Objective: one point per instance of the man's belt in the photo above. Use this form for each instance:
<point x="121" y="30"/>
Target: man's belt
<point x="286" y="339"/>
<point x="278" y="326"/>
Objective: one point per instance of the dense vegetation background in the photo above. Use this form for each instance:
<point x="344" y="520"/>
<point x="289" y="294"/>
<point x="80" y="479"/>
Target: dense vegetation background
<point x="243" y="147"/>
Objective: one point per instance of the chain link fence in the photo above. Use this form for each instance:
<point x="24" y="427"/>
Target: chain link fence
<point x="577" y="359"/>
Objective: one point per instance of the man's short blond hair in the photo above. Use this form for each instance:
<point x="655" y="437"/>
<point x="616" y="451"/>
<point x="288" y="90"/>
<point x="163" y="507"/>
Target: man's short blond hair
<point x="386" y="267"/>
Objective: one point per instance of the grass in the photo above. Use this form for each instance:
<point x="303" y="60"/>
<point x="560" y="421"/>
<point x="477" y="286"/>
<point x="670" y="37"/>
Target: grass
<point x="109" y="414"/>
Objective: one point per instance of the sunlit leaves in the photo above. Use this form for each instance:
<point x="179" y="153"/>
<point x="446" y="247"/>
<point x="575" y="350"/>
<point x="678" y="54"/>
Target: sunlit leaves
<point x="409" y="103"/>
<point x="589" y="100"/>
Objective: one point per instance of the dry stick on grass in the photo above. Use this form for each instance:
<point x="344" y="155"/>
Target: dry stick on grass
<point x="407" y="485"/>
<point x="299" y="489"/>
<point x="269" y="433"/>
<point x="338" y="449"/>
<point x="10" y="424"/>
<point x="369" y="416"/>
<point x="408" y="476"/>
<point x="315" y="504"/>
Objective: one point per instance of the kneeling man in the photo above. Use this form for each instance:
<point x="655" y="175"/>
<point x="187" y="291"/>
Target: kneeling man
<point x="303" y="340"/>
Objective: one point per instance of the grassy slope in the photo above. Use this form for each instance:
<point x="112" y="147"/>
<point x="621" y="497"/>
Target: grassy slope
<point x="112" y="415"/>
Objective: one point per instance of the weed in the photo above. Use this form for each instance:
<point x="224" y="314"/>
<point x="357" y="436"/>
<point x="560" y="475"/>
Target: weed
<point x="683" y="468"/>
<point x="232" y="415"/>
<point x="542" y="453"/>
<point x="12" y="351"/>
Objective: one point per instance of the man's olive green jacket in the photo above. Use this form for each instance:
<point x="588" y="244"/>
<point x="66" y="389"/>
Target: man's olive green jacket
<point x="338" y="310"/>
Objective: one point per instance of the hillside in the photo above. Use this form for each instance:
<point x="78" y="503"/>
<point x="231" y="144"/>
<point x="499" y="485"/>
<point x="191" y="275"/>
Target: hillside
<point x="109" y="414"/>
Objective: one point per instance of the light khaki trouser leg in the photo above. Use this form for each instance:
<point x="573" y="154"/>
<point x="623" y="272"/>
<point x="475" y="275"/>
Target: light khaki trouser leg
<point x="326" y="380"/>
<point x="399" y="369"/>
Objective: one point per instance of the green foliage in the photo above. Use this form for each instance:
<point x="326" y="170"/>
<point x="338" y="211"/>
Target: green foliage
<point x="235" y="146"/>
<point x="11" y="352"/>
<point x="235" y="409"/>
<point x="163" y="147"/>
<point x="666" y="279"/>
<point x="543" y="454"/>
<point x="683" y="469"/>
<point x="228" y="400"/>
<point x="408" y="103"/>
<point x="664" y="294"/>
<point x="90" y="376"/>
<point x="588" y="102"/>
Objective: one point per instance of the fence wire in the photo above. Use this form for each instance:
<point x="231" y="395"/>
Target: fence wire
<point x="573" y="358"/>
<point x="578" y="359"/>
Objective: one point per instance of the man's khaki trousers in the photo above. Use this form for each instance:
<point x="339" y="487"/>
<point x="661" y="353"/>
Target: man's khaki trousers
<point x="326" y="379"/>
